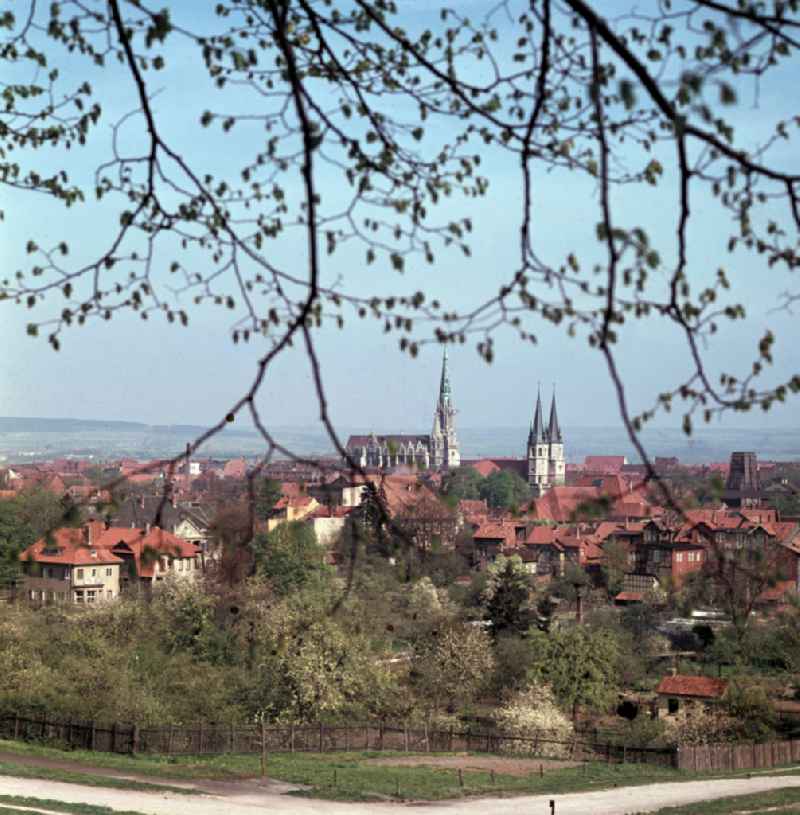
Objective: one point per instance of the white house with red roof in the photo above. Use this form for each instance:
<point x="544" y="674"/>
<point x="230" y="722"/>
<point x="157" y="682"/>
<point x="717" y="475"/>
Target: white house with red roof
<point x="94" y="563"/>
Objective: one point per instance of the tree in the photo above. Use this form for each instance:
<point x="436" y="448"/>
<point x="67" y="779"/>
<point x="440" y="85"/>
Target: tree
<point x="506" y="595"/>
<point x="26" y="518"/>
<point x="734" y="578"/>
<point x="289" y="557"/>
<point x="404" y="125"/>
<point x="615" y="564"/>
<point x="532" y="713"/>
<point x="451" y="666"/>
<point x="268" y="493"/>
<point x="505" y="490"/>
<point x="579" y="664"/>
<point x="462" y="483"/>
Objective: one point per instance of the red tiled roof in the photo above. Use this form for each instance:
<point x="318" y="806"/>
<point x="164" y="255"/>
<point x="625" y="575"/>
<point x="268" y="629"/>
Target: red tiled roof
<point x="706" y="687"/>
<point x="484" y="467"/>
<point x="610" y="464"/>
<point x="69" y="547"/>
<point x="630" y="597"/>
<point x="146" y="546"/>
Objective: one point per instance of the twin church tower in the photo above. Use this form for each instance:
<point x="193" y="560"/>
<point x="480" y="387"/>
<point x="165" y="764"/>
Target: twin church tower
<point x="440" y="450"/>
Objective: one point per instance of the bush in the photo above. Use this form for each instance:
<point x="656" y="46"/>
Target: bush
<point x="532" y="713"/>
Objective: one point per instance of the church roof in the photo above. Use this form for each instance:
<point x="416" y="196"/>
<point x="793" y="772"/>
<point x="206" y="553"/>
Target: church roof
<point x="553" y="428"/>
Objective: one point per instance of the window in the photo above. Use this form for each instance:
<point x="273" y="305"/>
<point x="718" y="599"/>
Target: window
<point x="109" y="570"/>
<point x="672" y="706"/>
<point x="79" y="576"/>
<point x="109" y="594"/>
<point x="679" y="557"/>
<point x="79" y="595"/>
<point x="94" y="572"/>
<point x="91" y="596"/>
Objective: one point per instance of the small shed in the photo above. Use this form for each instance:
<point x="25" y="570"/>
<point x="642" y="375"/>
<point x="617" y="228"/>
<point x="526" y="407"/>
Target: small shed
<point x="677" y="690"/>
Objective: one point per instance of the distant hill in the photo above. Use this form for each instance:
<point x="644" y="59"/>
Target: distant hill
<point x="20" y="424"/>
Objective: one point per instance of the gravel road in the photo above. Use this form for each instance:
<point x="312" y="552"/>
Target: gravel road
<point x="621" y="801"/>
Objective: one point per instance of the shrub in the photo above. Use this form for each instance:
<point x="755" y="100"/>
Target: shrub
<point x="533" y="714"/>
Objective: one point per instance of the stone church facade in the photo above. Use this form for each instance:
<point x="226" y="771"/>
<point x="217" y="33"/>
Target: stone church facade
<point x="437" y="451"/>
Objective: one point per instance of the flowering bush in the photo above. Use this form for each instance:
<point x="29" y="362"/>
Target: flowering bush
<point x="533" y="715"/>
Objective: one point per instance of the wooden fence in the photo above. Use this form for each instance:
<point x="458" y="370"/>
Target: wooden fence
<point x="710" y="757"/>
<point x="215" y="739"/>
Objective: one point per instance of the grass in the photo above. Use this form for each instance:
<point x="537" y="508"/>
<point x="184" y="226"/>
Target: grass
<point x="346" y="776"/>
<point x="88" y="779"/>
<point x="9" y="802"/>
<point x="761" y="802"/>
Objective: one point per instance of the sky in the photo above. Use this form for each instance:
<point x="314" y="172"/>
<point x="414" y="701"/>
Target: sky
<point x="160" y="373"/>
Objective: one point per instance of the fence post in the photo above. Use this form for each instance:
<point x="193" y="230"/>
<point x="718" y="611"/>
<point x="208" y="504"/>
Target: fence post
<point x="450" y="740"/>
<point x="92" y="735"/>
<point x="608" y="752"/>
<point x="200" y="738"/>
<point x="321" y="736"/>
<point x="16" y="726"/>
<point x="624" y="753"/>
<point x="233" y="738"/>
<point x="134" y="739"/>
<point x="291" y="738"/>
<point x="44" y="726"/>
<point x="263" y="748"/>
<point x="405" y="736"/>
<point x="169" y="740"/>
<point x="114" y="737"/>
<point x="380" y="735"/>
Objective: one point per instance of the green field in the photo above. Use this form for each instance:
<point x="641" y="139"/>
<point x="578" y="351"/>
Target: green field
<point x="343" y="776"/>
<point x="777" y="801"/>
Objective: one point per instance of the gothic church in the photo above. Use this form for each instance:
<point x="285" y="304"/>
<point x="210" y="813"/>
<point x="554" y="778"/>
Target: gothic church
<point x="437" y="451"/>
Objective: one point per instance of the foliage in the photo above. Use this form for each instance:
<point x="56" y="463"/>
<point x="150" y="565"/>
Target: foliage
<point x="578" y="663"/>
<point x="268" y="493"/>
<point x="615" y="564"/>
<point x="504" y="490"/>
<point x="695" y="724"/>
<point x="733" y="579"/>
<point x="289" y="556"/>
<point x="26" y="518"/>
<point x="749" y="706"/>
<point x="462" y="483"/>
<point x="533" y="714"/>
<point x="451" y="666"/>
<point x="506" y="595"/>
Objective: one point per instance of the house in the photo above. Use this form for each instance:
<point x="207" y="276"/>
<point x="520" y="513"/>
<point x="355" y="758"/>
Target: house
<point x="68" y="567"/>
<point x="96" y="563"/>
<point x="150" y="555"/>
<point x="676" y="691"/>
<point x="292" y="508"/>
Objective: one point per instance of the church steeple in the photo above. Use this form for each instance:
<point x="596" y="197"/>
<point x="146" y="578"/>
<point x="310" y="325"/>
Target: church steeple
<point x="553" y="429"/>
<point x="445" y="392"/>
<point x="537" y="434"/>
<point x="444" y="443"/>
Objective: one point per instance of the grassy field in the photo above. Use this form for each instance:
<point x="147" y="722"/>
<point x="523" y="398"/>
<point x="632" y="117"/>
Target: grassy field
<point x="21" y="770"/>
<point x="777" y="801"/>
<point x="9" y="804"/>
<point x="339" y="776"/>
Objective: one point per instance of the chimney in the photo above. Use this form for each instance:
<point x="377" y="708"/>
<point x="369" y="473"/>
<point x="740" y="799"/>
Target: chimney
<point x="87" y="534"/>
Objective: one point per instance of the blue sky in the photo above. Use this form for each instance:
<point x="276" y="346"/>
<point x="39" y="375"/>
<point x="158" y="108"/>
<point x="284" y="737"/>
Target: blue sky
<point x="159" y="373"/>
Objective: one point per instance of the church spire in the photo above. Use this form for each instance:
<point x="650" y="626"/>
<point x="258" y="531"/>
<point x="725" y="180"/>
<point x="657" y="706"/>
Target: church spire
<point x="537" y="431"/>
<point x="445" y="393"/>
<point x="553" y="430"/>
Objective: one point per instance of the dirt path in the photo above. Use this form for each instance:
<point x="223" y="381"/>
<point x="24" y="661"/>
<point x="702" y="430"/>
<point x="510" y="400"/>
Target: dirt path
<point x="606" y="802"/>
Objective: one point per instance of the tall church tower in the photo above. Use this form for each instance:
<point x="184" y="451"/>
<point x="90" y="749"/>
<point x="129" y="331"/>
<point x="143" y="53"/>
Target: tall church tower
<point x="444" y="443"/>
<point x="546" y="464"/>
